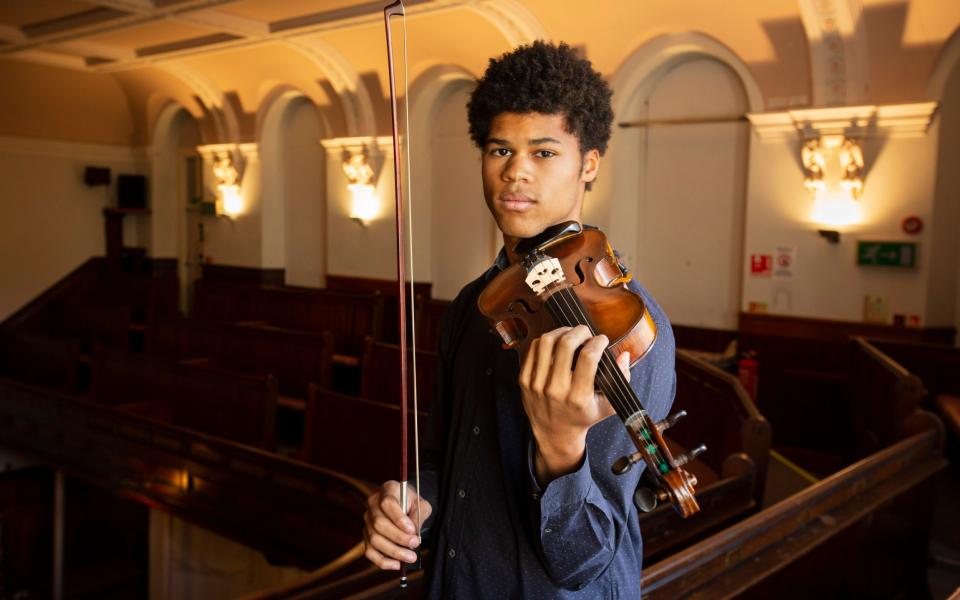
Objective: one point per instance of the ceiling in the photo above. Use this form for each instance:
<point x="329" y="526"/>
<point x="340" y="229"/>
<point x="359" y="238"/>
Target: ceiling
<point x="105" y="35"/>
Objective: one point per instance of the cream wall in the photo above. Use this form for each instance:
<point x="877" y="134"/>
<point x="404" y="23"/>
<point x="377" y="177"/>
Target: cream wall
<point x="825" y="281"/>
<point x="341" y="73"/>
<point x="50" y="221"/>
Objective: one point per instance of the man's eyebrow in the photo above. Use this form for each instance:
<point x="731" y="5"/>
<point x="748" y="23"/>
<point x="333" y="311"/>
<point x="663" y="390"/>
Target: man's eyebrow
<point x="533" y="142"/>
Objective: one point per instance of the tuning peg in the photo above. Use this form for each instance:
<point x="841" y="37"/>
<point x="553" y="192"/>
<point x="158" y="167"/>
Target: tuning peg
<point x="670" y="421"/>
<point x="692" y="454"/>
<point x="625" y="463"/>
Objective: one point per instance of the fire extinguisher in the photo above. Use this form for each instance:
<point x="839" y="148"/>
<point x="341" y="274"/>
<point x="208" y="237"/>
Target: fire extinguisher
<point x="748" y="371"/>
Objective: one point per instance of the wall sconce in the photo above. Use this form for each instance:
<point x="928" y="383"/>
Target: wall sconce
<point x="813" y="166"/>
<point x="365" y="205"/>
<point x="834" y="190"/>
<point x="851" y="161"/>
<point x="229" y="201"/>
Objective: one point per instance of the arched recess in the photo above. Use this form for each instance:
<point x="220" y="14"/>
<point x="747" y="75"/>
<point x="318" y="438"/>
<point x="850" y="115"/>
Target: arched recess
<point x="292" y="185"/>
<point x="943" y="293"/>
<point x="678" y="214"/>
<point x="447" y="190"/>
<point x="174" y="178"/>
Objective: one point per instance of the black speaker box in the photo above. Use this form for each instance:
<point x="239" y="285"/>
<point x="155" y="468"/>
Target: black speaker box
<point x="96" y="176"/>
<point x="131" y="191"/>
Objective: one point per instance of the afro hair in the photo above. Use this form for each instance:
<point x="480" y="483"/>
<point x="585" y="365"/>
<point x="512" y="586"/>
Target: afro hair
<point x="547" y="79"/>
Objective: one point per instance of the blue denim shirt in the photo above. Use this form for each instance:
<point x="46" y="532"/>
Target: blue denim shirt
<point x="494" y="532"/>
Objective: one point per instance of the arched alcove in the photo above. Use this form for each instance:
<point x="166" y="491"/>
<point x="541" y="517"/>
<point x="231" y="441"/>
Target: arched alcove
<point x="447" y="186"/>
<point x="174" y="179"/>
<point x="293" y="181"/>
<point x="675" y="199"/>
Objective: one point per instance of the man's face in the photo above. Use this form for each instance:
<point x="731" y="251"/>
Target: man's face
<point x="534" y="173"/>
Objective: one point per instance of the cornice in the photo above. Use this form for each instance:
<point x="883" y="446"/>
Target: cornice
<point x="888" y="120"/>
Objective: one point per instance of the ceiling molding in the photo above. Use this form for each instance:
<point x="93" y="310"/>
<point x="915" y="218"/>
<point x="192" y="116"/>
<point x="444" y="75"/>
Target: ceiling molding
<point x="890" y="120"/>
<point x="512" y="19"/>
<point x="836" y="36"/>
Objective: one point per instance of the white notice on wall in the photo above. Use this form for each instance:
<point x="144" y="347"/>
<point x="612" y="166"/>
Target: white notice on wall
<point x="784" y="262"/>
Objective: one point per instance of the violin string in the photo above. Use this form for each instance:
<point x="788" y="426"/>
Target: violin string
<point x="609" y="377"/>
<point x="570" y="319"/>
<point x="614" y="382"/>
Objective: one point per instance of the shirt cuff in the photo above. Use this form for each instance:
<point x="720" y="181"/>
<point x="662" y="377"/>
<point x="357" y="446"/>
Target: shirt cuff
<point x="571" y="488"/>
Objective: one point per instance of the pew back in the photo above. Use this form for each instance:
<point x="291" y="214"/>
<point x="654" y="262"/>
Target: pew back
<point x="884" y="395"/>
<point x="354" y="436"/>
<point x="233" y="406"/>
<point x="380" y="374"/>
<point x="296" y="358"/>
<point x="349" y="316"/>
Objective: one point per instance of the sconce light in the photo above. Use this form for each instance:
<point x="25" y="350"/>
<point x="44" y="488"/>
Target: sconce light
<point x="365" y="205"/>
<point x="851" y="161"/>
<point x="813" y="166"/>
<point x="834" y="190"/>
<point x="229" y="201"/>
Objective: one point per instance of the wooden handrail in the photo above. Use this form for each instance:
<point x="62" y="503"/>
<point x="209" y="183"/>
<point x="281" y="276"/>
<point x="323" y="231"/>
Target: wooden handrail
<point x="85" y="272"/>
<point x="215" y="483"/>
<point x="745" y="554"/>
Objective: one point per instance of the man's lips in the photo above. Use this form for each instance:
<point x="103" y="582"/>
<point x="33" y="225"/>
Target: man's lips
<point x="516" y="202"/>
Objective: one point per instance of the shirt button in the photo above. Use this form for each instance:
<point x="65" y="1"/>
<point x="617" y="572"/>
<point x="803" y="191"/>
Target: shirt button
<point x="476" y="430"/>
<point x="489" y="371"/>
<point x="548" y="530"/>
<point x="462" y="493"/>
<point x="536" y="496"/>
<point x="452" y="553"/>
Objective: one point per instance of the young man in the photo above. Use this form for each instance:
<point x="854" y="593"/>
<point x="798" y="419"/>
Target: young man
<point x="519" y="500"/>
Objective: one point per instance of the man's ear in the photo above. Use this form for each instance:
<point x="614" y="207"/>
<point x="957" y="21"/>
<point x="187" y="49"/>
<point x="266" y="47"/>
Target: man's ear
<point x="590" y="166"/>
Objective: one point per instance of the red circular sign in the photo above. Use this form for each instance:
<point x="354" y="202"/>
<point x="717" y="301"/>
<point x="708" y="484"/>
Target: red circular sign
<point x="912" y="225"/>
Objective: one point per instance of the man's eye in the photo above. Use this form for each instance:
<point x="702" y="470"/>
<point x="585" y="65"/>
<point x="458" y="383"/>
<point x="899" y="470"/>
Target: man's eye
<point x="500" y="152"/>
<point x="545" y="153"/>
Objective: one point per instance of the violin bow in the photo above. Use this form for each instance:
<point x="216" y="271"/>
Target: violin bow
<point x="403" y="244"/>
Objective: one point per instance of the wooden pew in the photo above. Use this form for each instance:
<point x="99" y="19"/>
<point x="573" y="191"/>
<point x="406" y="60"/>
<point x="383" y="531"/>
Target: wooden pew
<point x="296" y="358"/>
<point x="349" y="316"/>
<point x="883" y="394"/>
<point x="380" y="374"/>
<point x="229" y="405"/>
<point x="315" y="515"/>
<point x="730" y="474"/>
<point x="429" y="319"/>
<point x="938" y="367"/>
<point x="354" y="435"/>
<point x="41" y="359"/>
<point x="90" y="323"/>
<point x="862" y="532"/>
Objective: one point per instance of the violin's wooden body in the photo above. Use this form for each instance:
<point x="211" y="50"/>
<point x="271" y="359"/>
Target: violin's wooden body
<point x="616" y="311"/>
<point x="569" y="276"/>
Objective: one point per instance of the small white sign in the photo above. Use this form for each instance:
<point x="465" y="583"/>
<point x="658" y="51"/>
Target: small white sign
<point x="784" y="262"/>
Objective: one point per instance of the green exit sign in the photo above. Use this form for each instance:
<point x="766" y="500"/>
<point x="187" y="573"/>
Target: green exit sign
<point x="887" y="254"/>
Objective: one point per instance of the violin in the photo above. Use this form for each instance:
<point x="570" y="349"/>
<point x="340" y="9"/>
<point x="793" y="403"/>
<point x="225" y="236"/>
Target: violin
<point x="569" y="276"/>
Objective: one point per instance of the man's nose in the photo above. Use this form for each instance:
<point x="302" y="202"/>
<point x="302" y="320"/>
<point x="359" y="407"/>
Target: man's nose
<point x="517" y="168"/>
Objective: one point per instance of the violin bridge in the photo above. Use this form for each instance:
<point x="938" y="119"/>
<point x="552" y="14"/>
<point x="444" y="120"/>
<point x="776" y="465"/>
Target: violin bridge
<point x="545" y="274"/>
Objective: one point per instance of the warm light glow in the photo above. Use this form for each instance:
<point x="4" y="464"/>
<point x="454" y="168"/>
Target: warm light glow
<point x="365" y="205"/>
<point x="231" y="200"/>
<point x="836" y="209"/>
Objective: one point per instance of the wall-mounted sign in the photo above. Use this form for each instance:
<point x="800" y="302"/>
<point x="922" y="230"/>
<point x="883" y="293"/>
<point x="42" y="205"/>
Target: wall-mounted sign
<point x="784" y="262"/>
<point x="761" y="265"/>
<point x="887" y="254"/>
<point x="912" y="225"/>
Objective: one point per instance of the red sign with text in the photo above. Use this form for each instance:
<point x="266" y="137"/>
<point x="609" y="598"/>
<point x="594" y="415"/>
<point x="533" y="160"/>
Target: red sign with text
<point x="761" y="265"/>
